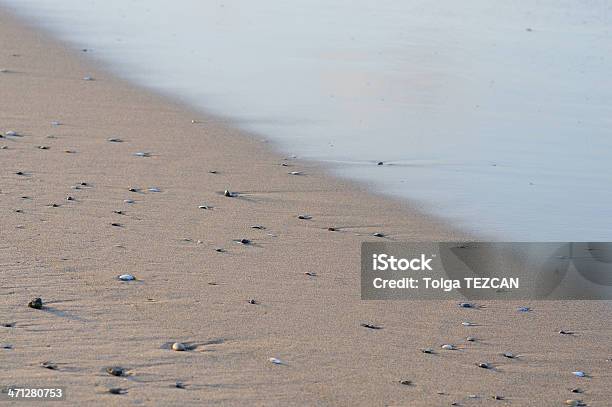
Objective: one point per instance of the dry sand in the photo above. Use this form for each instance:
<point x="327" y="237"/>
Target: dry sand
<point x="70" y="256"/>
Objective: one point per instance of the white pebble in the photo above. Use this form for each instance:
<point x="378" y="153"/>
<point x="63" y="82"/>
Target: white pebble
<point x="276" y="361"/>
<point x="127" y="277"/>
<point x="179" y="347"/>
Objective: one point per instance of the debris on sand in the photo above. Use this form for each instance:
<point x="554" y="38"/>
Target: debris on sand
<point x="304" y="217"/>
<point x="126" y="277"/>
<point x="116" y="371"/>
<point x="378" y="234"/>
<point x="448" y="346"/>
<point x="36" y="303"/>
<point x="48" y="365"/>
<point x="370" y="326"/>
<point x="179" y="347"/>
<point x="276" y="361"/>
<point x="117" y="390"/>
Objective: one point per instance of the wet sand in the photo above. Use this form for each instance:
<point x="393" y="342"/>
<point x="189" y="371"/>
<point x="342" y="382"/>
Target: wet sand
<point x="70" y="255"/>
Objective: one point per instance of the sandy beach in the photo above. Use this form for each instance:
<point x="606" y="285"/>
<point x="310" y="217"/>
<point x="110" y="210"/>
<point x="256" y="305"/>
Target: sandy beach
<point x="79" y="210"/>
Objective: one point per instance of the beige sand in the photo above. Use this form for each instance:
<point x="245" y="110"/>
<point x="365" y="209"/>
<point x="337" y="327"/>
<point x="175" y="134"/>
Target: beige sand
<point x="69" y="256"/>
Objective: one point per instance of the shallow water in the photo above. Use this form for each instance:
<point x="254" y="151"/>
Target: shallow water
<point x="496" y="115"/>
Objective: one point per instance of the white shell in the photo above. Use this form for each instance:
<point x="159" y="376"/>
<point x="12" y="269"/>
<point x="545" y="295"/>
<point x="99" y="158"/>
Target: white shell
<point x="179" y="347"/>
<point x="295" y="173"/>
<point x="127" y="277"/>
<point x="10" y="133"/>
<point x="276" y="361"/>
<point x="448" y="347"/>
<point x="154" y="189"/>
<point x="579" y="373"/>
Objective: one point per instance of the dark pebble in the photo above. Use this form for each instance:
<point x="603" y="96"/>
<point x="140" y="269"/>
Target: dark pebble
<point x="36" y="303"/>
<point x="48" y="365"/>
<point x="115" y="371"/>
<point x="117" y="390"/>
<point x="370" y="326"/>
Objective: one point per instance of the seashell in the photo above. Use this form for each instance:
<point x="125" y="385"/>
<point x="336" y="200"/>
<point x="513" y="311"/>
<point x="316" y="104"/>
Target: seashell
<point x="205" y="207"/>
<point x="142" y="154"/>
<point x="114" y="140"/>
<point x="213" y="172"/>
<point x="466" y="323"/>
<point x="378" y="234"/>
<point x="179" y="347"/>
<point x="11" y="133"/>
<point x="406" y="382"/>
<point x="370" y="326"/>
<point x="229" y="194"/>
<point x="509" y="355"/>
<point x="523" y="309"/>
<point x="296" y="173"/>
<point x="428" y="350"/>
<point x="42" y="147"/>
<point x="485" y="365"/>
<point x="304" y="217"/>
<point x="470" y="339"/>
<point x="88" y="78"/>
<point x="127" y="277"/>
<point x="154" y="189"/>
<point x="276" y="361"/>
<point x="579" y="373"/>
<point x="575" y="403"/>
<point x="448" y="347"/>
<point x="133" y="189"/>
<point x="116" y="371"/>
<point x="4" y="148"/>
<point x="36" y="303"/>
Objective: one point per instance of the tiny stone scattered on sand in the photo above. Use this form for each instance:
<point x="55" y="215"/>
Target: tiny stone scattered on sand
<point x="370" y="326"/>
<point x="142" y="154"/>
<point x="304" y="217"/>
<point x="127" y="277"/>
<point x="378" y="234"/>
<point x="484" y="365"/>
<point x="179" y="347"/>
<point x="448" y="347"/>
<point x="48" y="365"/>
<point x="117" y="390"/>
<point x="230" y="194"/>
<point x="276" y="361"/>
<point x="116" y="371"/>
<point x="115" y="140"/>
<point x="36" y="303"/>
<point x="579" y="373"/>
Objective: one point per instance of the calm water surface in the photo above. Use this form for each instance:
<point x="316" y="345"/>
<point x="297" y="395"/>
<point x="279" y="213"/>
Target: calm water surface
<point x="495" y="115"/>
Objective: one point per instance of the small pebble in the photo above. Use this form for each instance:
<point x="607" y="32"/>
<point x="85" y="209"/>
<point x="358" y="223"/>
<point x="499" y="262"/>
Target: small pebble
<point x="467" y="305"/>
<point x="565" y="332"/>
<point x="55" y="123"/>
<point x="115" y="371"/>
<point x="304" y="217"/>
<point x="115" y="140"/>
<point x="406" y="382"/>
<point x="295" y="173"/>
<point x="380" y="163"/>
<point x="88" y="78"/>
<point x="36" y="303"/>
<point x="179" y="385"/>
<point x="119" y="212"/>
<point x="179" y="347"/>
<point x="127" y="277"/>
<point x="42" y="147"/>
<point x="252" y="301"/>
<point x="509" y="355"/>
<point x="428" y="350"/>
<point x="575" y="403"/>
<point x="142" y="154"/>
<point x="259" y="227"/>
<point x="220" y="249"/>
<point x="468" y="324"/>
<point x="204" y="207"/>
<point x="128" y="201"/>
<point x="370" y="326"/>
<point x="484" y="365"/>
<point x="470" y="339"/>
<point x="154" y="189"/>
<point x="448" y="347"/>
<point x="245" y="241"/>
<point x="116" y="224"/>
<point x="48" y="365"/>
<point x="332" y="229"/>
<point x="117" y="390"/>
<point x="69" y="198"/>
<point x="11" y="133"/>
<point x="310" y="273"/>
<point x="229" y="194"/>
<point x="498" y="397"/>
<point x="524" y="309"/>
<point x="276" y="361"/>
<point x="378" y="234"/>
<point x="133" y="189"/>
<point x="577" y="390"/>
<point x="213" y="172"/>
<point x="579" y="373"/>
